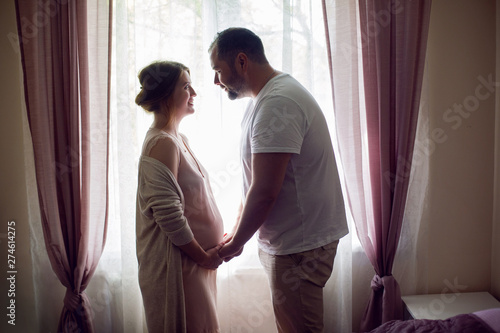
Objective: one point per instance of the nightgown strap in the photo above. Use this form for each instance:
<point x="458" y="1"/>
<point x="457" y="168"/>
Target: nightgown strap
<point x="152" y="138"/>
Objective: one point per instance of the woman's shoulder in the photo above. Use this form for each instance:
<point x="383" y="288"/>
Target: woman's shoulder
<point x="166" y="150"/>
<point x="184" y="137"/>
<point x="158" y="137"/>
<point x="162" y="146"/>
<point x="165" y="142"/>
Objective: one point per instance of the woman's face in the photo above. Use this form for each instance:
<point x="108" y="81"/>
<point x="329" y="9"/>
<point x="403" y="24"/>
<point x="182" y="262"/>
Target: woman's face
<point x="181" y="101"/>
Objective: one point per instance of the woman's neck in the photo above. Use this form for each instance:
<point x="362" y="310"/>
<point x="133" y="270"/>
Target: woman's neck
<point x="161" y="122"/>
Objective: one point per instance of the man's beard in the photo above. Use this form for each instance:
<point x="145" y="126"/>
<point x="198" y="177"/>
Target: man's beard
<point x="232" y="95"/>
<point x="238" y="86"/>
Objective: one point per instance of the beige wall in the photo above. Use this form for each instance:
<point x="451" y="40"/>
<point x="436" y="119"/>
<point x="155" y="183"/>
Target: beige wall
<point x="495" y="263"/>
<point x="13" y="206"/>
<point x="461" y="57"/>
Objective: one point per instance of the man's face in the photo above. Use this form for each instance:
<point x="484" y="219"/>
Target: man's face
<point x="227" y="77"/>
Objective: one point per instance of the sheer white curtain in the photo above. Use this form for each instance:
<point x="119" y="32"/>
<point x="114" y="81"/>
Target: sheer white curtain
<point x="293" y="35"/>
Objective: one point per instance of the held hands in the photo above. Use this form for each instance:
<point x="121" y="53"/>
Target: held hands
<point x="212" y="259"/>
<point x="222" y="252"/>
<point x="229" y="249"/>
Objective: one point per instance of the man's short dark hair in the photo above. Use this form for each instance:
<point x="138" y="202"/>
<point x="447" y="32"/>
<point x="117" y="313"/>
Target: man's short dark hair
<point x="232" y="41"/>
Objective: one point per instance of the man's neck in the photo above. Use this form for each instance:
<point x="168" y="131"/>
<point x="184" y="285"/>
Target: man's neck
<point x="261" y="77"/>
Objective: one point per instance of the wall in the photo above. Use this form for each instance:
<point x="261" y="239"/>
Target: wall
<point x="456" y="241"/>
<point x="495" y="263"/>
<point x="13" y="206"/>
<point x="461" y="59"/>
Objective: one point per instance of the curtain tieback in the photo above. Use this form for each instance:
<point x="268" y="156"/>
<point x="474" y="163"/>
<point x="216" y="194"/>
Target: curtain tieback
<point x="73" y="300"/>
<point x="379" y="283"/>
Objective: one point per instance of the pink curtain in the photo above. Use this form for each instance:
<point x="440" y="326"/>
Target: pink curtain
<point x="376" y="139"/>
<point x="394" y="38"/>
<point x="69" y="123"/>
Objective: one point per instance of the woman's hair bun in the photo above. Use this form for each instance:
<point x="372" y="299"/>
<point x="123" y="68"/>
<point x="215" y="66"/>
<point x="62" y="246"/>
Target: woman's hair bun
<point x="158" y="81"/>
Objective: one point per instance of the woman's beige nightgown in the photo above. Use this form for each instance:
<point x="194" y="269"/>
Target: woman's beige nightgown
<point x="205" y="222"/>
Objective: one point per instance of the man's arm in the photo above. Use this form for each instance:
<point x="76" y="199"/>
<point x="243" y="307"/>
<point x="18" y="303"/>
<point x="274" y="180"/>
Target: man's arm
<point x="229" y="236"/>
<point x="268" y="172"/>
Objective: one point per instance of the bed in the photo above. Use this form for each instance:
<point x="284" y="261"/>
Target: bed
<point x="485" y="321"/>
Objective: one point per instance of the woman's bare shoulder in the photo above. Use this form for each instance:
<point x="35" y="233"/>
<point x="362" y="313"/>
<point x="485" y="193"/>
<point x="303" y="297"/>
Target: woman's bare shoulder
<point x="166" y="150"/>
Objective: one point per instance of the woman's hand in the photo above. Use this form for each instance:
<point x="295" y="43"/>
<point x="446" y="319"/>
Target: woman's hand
<point x="212" y="259"/>
<point x="208" y="259"/>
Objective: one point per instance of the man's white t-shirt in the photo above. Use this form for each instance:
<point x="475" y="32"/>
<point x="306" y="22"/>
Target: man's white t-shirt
<point x="309" y="211"/>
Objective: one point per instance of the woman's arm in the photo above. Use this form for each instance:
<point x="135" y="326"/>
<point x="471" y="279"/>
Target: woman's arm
<point x="167" y="152"/>
<point x="208" y="259"/>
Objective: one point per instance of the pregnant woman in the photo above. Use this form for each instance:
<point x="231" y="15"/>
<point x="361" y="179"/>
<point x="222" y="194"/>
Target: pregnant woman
<point x="179" y="228"/>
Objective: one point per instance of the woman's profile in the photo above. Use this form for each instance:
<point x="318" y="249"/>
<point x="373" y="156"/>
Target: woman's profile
<point x="178" y="225"/>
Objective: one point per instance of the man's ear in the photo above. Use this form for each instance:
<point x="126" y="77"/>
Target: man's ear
<point x="241" y="61"/>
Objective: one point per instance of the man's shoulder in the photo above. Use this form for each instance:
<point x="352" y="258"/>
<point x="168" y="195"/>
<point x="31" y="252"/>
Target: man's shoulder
<point x="287" y="86"/>
<point x="290" y="94"/>
<point x="284" y="88"/>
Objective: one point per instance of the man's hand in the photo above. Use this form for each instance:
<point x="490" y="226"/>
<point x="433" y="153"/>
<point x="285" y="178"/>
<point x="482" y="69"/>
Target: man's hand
<point x="230" y="250"/>
<point x="212" y="259"/>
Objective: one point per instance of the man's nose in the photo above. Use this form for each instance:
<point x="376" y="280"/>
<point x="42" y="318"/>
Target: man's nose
<point x="216" y="79"/>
